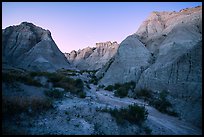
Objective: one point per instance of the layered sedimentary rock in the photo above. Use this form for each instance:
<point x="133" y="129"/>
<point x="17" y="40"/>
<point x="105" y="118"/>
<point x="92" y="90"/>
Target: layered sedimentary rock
<point x="32" y="48"/>
<point x="93" y="58"/>
<point x="164" y="54"/>
<point x="131" y="59"/>
<point x="154" y="30"/>
<point x="177" y="69"/>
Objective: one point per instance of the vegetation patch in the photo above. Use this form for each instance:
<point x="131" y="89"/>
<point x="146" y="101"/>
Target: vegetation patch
<point x="147" y="130"/>
<point x="13" y="76"/>
<point x="121" y="90"/>
<point x="31" y="104"/>
<point x="159" y="101"/>
<point x="101" y="86"/>
<point x="109" y="88"/>
<point x="133" y="113"/>
<point x="143" y="93"/>
<point x="162" y="104"/>
<point x="82" y="94"/>
<point x="75" y="86"/>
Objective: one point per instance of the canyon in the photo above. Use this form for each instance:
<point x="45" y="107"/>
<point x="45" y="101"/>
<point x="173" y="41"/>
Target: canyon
<point x="160" y="62"/>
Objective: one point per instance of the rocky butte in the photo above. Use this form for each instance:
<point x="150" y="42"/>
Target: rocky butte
<point x="30" y="47"/>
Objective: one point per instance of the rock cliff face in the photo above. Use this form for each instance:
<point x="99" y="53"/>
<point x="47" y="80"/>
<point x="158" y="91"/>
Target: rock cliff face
<point x="164" y="54"/>
<point x="30" y="47"/>
<point x="131" y="59"/>
<point x="178" y="69"/>
<point x="158" y="25"/>
<point x="93" y="58"/>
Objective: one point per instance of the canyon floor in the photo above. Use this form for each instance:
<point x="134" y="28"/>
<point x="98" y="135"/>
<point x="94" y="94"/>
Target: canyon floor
<point x="72" y="115"/>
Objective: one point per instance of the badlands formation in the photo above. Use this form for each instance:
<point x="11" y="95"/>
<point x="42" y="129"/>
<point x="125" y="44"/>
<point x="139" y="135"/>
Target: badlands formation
<point x="93" y="58"/>
<point x="30" y="47"/>
<point x="164" y="54"/>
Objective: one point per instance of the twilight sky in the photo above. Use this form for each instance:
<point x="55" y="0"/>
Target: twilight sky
<point x="76" y="25"/>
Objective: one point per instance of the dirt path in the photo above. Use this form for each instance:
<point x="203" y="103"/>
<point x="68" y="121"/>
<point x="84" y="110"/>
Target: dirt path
<point x="170" y="124"/>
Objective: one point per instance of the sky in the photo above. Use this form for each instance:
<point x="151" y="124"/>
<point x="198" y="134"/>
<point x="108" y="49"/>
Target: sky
<point x="76" y="25"/>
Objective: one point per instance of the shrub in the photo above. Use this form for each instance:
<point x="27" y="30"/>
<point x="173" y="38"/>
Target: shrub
<point x="147" y="130"/>
<point x="33" y="74"/>
<point x="109" y="88"/>
<point x="54" y="93"/>
<point x="101" y="86"/>
<point x="8" y="77"/>
<point x="79" y="83"/>
<point x="117" y="86"/>
<point x="129" y="85"/>
<point x="121" y="92"/>
<point x="162" y="104"/>
<point x="132" y="84"/>
<point x="82" y="94"/>
<point x="133" y="113"/>
<point x="121" y="89"/>
<point x="143" y="93"/>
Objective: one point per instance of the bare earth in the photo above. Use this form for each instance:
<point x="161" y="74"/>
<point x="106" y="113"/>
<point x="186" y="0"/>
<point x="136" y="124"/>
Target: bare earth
<point x="76" y="116"/>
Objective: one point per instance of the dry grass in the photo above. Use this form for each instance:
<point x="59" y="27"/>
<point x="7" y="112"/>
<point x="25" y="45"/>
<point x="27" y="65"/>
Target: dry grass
<point x="31" y="104"/>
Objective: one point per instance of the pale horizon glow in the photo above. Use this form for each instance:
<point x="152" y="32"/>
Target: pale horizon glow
<point x="76" y="25"/>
